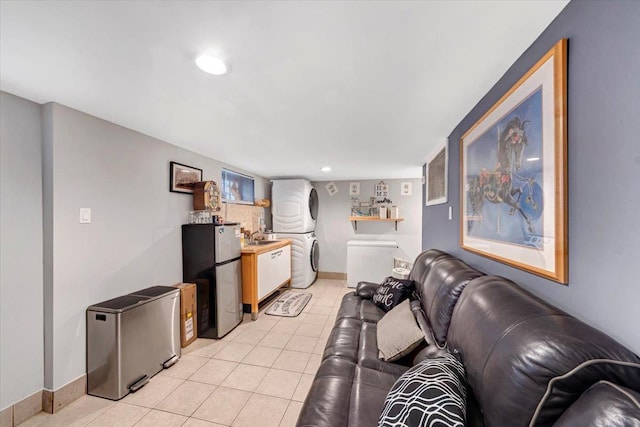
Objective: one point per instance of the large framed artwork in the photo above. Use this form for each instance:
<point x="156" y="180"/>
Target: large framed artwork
<point x="513" y="174"/>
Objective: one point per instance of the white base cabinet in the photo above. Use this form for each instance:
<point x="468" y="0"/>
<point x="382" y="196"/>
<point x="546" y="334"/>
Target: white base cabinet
<point x="274" y="268"/>
<point x="264" y="269"/>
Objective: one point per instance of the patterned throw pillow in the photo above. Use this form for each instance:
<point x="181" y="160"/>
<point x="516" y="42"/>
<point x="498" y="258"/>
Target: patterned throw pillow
<point x="432" y="393"/>
<point x="392" y="292"/>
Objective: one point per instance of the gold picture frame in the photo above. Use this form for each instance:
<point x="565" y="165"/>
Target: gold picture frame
<point x="513" y="166"/>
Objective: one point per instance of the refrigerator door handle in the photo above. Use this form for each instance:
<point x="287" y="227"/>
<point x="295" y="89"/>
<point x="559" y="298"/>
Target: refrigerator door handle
<point x="218" y="264"/>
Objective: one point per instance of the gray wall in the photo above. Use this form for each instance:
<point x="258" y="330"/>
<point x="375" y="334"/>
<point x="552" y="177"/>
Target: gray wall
<point x="55" y="160"/>
<point x="334" y="229"/>
<point x="134" y="240"/>
<point x="21" y="334"/>
<point x="604" y="166"/>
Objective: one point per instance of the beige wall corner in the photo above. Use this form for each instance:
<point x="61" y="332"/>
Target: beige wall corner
<point x="27" y="408"/>
<point x="47" y="401"/>
<point x="53" y="401"/>
<point x="332" y="275"/>
<point x="6" y="417"/>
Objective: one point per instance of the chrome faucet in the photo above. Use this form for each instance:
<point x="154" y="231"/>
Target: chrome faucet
<point x="251" y="239"/>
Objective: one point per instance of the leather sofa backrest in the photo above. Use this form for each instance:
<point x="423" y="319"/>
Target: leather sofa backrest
<point x="424" y="261"/>
<point x="514" y="346"/>
<point x="439" y="292"/>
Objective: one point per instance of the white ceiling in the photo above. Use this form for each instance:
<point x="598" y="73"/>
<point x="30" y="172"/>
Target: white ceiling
<point x="368" y="88"/>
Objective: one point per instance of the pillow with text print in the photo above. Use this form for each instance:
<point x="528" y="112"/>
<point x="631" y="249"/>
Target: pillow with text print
<point x="392" y="292"/>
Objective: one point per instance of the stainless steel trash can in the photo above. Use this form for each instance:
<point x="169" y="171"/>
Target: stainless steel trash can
<point x="130" y="339"/>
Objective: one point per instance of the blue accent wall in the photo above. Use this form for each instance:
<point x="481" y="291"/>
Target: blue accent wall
<point x="603" y="174"/>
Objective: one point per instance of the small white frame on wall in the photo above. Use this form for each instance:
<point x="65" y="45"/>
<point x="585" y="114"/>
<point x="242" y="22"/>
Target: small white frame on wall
<point x="332" y="188"/>
<point x="405" y="189"/>
<point x="354" y="189"/>
<point x="436" y="177"/>
<point x="381" y="190"/>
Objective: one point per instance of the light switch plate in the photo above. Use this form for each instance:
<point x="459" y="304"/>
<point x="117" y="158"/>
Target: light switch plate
<point x="85" y="215"/>
<point x="450" y="213"/>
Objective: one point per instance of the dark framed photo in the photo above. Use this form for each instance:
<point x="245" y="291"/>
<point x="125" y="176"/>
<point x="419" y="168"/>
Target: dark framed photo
<point x="183" y="177"/>
<point x="514" y="174"/>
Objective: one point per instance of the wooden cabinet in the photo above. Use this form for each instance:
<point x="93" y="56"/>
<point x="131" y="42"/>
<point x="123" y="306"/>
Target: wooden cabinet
<point x="264" y="270"/>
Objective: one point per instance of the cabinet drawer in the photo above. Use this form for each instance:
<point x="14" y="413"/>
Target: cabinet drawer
<point x="274" y="268"/>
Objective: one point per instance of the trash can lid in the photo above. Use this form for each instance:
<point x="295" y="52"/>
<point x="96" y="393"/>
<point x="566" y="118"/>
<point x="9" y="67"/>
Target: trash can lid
<point x="154" y="291"/>
<point x="120" y="304"/>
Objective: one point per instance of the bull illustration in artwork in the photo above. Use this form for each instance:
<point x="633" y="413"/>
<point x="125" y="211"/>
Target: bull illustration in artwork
<point x="511" y="144"/>
<point x="497" y="186"/>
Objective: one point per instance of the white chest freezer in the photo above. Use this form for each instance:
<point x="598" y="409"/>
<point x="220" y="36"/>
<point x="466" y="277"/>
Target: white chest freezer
<point x="369" y="260"/>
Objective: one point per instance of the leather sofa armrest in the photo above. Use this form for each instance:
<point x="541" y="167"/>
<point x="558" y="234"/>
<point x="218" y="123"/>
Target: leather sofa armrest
<point x="604" y="404"/>
<point x="366" y="290"/>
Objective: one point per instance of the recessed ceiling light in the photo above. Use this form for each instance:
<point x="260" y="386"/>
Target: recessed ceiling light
<point x="326" y="169"/>
<point x="211" y="64"/>
<point x="533" y="159"/>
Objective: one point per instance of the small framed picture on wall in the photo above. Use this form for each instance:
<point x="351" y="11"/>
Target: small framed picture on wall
<point x="381" y="190"/>
<point x="405" y="189"/>
<point x="436" y="175"/>
<point x="354" y="189"/>
<point x="182" y="178"/>
<point x="331" y="188"/>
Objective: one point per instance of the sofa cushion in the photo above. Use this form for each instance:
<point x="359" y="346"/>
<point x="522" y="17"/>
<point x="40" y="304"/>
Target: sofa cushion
<point x="424" y="261"/>
<point x="354" y="307"/>
<point x="369" y="391"/>
<point x="331" y="391"/>
<point x="344" y="339"/>
<point x="585" y="373"/>
<point x="366" y="290"/>
<point x="392" y="292"/>
<point x="350" y="306"/>
<point x="513" y="344"/>
<point x="604" y="404"/>
<point x="398" y="333"/>
<point x="440" y="291"/>
<point x="431" y="393"/>
<point x="369" y="312"/>
<point x="368" y="352"/>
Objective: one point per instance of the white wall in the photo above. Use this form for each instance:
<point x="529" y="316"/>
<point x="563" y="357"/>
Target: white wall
<point x="21" y="333"/>
<point x="134" y="240"/>
<point x="334" y="229"/>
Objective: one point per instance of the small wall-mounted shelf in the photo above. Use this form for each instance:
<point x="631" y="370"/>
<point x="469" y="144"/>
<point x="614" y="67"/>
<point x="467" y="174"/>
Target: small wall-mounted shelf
<point x="355" y="220"/>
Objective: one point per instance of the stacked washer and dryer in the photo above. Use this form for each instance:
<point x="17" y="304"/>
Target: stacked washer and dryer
<point x="294" y="209"/>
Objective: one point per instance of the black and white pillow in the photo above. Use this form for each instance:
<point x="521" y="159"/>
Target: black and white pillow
<point x="432" y="393"/>
<point x="392" y="292"/>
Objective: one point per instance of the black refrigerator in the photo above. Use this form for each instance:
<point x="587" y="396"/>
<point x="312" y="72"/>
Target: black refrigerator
<point x="211" y="258"/>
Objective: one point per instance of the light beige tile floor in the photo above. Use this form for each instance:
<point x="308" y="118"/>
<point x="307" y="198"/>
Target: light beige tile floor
<point x="257" y="375"/>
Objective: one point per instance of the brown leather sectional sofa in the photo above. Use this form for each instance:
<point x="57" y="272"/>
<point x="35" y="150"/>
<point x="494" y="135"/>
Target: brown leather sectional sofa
<point x="527" y="362"/>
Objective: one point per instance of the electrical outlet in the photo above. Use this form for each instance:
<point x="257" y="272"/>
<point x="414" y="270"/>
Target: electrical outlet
<point x="402" y="263"/>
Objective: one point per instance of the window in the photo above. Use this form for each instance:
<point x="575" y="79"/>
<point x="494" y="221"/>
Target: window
<point x="237" y="188"/>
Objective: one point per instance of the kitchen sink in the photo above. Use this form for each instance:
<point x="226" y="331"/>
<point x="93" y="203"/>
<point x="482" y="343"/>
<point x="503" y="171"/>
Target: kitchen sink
<point x="261" y="242"/>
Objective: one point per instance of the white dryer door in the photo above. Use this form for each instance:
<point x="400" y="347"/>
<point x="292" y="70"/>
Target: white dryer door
<point x="313" y="204"/>
<point x="315" y="255"/>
